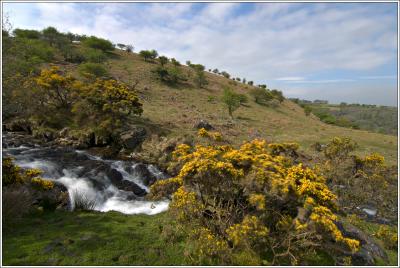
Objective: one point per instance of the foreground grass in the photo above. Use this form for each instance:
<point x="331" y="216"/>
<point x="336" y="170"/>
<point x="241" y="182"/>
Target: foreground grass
<point x="89" y="238"/>
<point x="112" y="238"/>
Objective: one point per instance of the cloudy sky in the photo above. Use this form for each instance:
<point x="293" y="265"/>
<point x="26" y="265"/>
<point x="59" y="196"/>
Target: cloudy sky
<point x="334" y="51"/>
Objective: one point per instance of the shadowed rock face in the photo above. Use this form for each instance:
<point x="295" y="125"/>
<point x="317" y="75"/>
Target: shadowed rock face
<point x="79" y="171"/>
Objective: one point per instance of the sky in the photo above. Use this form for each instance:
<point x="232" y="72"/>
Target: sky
<point x="340" y="52"/>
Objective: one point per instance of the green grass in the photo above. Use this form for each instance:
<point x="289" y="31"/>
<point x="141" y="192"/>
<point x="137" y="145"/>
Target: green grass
<point x="90" y="238"/>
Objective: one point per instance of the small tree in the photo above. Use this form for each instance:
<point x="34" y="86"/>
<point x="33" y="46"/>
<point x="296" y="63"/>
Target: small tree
<point x="129" y="48"/>
<point x="188" y="63"/>
<point x="250" y="83"/>
<point x="278" y="95"/>
<point x="244" y="80"/>
<point x="237" y="79"/>
<point x="261" y="96"/>
<point x="145" y="54"/>
<point x="225" y="74"/>
<point x="163" y="60"/>
<point x="200" y="79"/>
<point x="175" y="62"/>
<point x="263" y="86"/>
<point x="153" y="54"/>
<point x="98" y="43"/>
<point x="232" y="100"/>
<point x="215" y="71"/>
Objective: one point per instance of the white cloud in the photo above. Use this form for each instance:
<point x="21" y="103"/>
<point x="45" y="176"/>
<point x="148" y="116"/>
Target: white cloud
<point x="270" y="42"/>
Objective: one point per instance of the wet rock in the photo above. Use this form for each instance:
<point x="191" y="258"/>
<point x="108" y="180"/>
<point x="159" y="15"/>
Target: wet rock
<point x="369" y="251"/>
<point x="144" y="173"/>
<point x="118" y="180"/>
<point x="133" y="138"/>
<point x="370" y="211"/>
<point x="203" y="124"/>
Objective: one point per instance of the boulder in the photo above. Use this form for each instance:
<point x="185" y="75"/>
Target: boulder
<point x="118" y="180"/>
<point x="133" y="138"/>
<point x="144" y="173"/>
<point x="369" y="251"/>
<point x="203" y="124"/>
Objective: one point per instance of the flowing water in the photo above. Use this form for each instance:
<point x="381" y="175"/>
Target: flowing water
<point x="113" y="184"/>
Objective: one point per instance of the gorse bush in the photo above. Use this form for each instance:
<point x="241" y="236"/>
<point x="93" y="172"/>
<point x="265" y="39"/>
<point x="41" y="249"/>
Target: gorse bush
<point x="359" y="181"/>
<point x="248" y="205"/>
<point x="91" y="104"/>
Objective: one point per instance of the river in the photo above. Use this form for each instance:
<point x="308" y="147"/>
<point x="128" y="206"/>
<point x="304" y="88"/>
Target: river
<point x="113" y="184"/>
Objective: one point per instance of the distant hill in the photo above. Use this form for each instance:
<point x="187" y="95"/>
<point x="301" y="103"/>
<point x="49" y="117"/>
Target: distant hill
<point x="375" y="118"/>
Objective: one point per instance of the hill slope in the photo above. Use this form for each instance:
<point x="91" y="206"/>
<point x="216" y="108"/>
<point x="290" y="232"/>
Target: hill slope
<point x="174" y="111"/>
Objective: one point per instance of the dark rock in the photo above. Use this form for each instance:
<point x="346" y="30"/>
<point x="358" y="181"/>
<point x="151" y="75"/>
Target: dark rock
<point x="118" y="180"/>
<point x="18" y="125"/>
<point x="144" y="173"/>
<point x="100" y="140"/>
<point x="133" y="138"/>
<point x="203" y="124"/>
<point x="369" y="251"/>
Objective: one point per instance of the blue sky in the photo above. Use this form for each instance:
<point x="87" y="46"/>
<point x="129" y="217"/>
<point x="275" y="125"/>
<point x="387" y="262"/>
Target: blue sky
<point x="334" y="51"/>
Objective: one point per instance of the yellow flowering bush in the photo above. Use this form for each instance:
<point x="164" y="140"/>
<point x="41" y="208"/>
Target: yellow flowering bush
<point x="388" y="235"/>
<point x="253" y="198"/>
<point x="11" y="173"/>
<point x="358" y="181"/>
<point x="42" y="184"/>
<point x="206" y="134"/>
<point x="164" y="188"/>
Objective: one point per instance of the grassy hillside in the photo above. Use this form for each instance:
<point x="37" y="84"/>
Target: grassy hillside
<point x="174" y="111"/>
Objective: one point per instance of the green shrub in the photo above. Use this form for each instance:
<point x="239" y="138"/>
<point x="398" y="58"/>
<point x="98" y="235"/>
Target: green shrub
<point x="30" y="34"/>
<point x="232" y="100"/>
<point x="93" y="55"/>
<point x="92" y="69"/>
<point x="148" y="54"/>
<point x="261" y="96"/>
<point x="98" y="43"/>
<point x="163" y="60"/>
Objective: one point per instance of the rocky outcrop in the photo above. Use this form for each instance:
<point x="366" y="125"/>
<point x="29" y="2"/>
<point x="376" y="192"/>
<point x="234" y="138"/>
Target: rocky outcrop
<point x="18" y="125"/>
<point x="369" y="251"/>
<point x="142" y="171"/>
<point x="132" y="138"/>
<point x="203" y="124"/>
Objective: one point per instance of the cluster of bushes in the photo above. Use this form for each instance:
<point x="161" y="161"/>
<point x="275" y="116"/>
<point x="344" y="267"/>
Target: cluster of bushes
<point x="25" y="50"/>
<point x="252" y="206"/>
<point x="360" y="181"/>
<point x="18" y="191"/>
<point x="97" y="104"/>
<point x="267" y="97"/>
